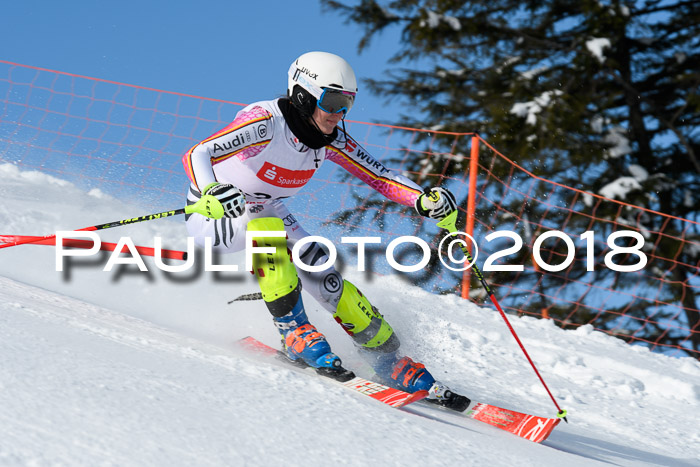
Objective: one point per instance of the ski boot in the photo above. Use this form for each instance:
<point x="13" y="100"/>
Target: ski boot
<point x="281" y="290"/>
<point x="303" y="345"/>
<point x="412" y="376"/>
<point x="441" y="395"/>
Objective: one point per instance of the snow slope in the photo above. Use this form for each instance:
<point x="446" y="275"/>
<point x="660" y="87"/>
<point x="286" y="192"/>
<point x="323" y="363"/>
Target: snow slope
<point x="132" y="368"/>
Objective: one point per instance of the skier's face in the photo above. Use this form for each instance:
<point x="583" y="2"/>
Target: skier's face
<point x="326" y="121"/>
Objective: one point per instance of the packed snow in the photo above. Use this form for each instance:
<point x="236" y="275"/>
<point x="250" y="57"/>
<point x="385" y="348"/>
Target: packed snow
<point x="134" y="368"/>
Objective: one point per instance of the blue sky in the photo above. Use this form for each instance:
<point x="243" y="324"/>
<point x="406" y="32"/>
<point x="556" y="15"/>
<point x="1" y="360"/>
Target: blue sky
<point x="231" y="50"/>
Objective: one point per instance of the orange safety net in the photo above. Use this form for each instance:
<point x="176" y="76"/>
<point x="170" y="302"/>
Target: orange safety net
<point x="655" y="305"/>
<point x="127" y="141"/>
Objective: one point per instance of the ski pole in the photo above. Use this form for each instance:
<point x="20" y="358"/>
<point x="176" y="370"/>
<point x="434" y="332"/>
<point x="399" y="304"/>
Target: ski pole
<point x="87" y="244"/>
<point x="449" y="223"/>
<point x="207" y="206"/>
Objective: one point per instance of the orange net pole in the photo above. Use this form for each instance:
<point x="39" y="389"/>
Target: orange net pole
<point x="471" y="207"/>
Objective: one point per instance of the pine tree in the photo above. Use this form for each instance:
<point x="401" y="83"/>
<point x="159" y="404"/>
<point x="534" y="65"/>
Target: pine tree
<point x="582" y="93"/>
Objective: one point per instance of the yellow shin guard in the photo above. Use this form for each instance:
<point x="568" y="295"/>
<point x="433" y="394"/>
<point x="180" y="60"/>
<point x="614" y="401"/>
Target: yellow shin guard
<point x="275" y="272"/>
<point x="363" y="322"/>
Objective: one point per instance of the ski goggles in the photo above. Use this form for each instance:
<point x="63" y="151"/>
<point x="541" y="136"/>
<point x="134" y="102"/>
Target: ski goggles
<point x="334" y="101"/>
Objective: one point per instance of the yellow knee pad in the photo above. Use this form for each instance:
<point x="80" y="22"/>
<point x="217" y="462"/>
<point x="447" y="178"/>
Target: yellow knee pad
<point x="363" y="322"/>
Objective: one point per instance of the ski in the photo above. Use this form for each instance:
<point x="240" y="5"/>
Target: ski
<point x="530" y="427"/>
<point x="384" y="394"/>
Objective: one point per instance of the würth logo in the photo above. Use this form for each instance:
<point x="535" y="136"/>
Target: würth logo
<point x="285" y="178"/>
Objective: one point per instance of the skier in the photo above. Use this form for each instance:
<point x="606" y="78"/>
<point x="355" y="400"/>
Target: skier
<point x="267" y="154"/>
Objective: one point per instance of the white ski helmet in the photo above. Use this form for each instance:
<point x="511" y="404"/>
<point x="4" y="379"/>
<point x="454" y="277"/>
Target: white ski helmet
<point x="323" y="79"/>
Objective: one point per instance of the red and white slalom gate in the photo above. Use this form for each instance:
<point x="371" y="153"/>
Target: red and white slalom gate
<point x="530" y="427"/>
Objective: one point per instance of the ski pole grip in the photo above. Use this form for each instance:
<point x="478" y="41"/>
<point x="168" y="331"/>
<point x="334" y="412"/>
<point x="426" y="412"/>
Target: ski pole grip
<point x="449" y="223"/>
<point x="207" y="206"/>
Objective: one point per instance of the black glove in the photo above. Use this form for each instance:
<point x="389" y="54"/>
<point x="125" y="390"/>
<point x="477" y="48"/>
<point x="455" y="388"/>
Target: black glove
<point x="437" y="203"/>
<point x="231" y="198"/>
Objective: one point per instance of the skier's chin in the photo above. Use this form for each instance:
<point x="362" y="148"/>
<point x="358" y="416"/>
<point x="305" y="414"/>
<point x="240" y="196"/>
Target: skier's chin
<point x="325" y="121"/>
<point x="327" y="127"/>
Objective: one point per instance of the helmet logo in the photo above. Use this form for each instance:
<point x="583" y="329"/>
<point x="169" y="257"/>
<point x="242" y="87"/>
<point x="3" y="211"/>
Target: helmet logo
<point x="306" y="71"/>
